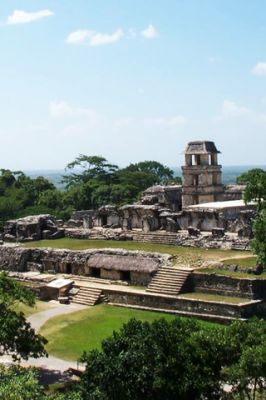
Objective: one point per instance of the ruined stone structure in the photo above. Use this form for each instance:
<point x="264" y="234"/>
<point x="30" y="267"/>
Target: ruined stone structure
<point x="202" y="176"/>
<point x="169" y="197"/>
<point x="35" y="227"/>
<point x="135" y="267"/>
<point x="201" y="204"/>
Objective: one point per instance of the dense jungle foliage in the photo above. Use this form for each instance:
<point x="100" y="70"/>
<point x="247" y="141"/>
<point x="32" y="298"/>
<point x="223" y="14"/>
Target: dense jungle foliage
<point x="90" y="182"/>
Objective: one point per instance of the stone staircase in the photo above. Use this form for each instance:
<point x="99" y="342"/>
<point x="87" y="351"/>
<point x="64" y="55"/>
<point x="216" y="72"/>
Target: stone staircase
<point x="154" y="237"/>
<point x="88" y="296"/>
<point x="169" y="281"/>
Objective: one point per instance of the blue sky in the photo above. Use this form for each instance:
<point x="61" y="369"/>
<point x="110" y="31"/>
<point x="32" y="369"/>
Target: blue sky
<point x="131" y="80"/>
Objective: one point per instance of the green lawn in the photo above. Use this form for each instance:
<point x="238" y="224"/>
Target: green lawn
<point x="232" y="274"/>
<point x="38" y="307"/>
<point x="69" y="335"/>
<point x="242" y="262"/>
<point x="186" y="255"/>
<point x="214" y="297"/>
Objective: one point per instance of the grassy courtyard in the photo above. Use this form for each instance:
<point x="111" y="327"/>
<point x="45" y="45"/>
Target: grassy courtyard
<point x="69" y="335"/>
<point x="183" y="255"/>
<point x="38" y="307"/>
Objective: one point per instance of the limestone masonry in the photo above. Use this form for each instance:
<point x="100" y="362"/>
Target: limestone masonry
<point x="201" y="205"/>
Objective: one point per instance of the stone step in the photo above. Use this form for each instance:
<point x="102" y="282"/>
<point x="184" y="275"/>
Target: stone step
<point x="170" y="277"/>
<point x="164" y="285"/>
<point x="89" y="290"/>
<point x="204" y="316"/>
<point x="89" y="302"/>
<point x="159" y="288"/>
<point x="173" y="273"/>
<point x="87" y="295"/>
<point x="168" y="280"/>
<point x="86" y="288"/>
<point x="87" y="298"/>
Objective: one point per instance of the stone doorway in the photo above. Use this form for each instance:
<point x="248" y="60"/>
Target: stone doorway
<point x="68" y="268"/>
<point x="104" y="220"/>
<point x="95" y="272"/>
<point x="125" y="276"/>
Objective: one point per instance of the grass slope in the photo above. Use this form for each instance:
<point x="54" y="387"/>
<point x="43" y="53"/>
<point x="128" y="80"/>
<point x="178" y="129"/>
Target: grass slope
<point x="69" y="335"/>
<point x="214" y="297"/>
<point x="27" y="310"/>
<point x="242" y="262"/>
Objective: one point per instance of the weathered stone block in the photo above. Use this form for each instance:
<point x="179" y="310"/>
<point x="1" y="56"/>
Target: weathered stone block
<point x="193" y="231"/>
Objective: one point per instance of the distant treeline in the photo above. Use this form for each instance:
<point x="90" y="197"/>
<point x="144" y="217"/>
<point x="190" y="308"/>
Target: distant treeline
<point x="89" y="183"/>
<point x="229" y="174"/>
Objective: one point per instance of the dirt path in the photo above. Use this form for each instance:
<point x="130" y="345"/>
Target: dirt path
<point x="39" y="319"/>
<point x="36" y="321"/>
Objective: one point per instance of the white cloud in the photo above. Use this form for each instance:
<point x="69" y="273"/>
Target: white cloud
<point x="93" y="39"/>
<point x="177" y="120"/>
<point x="149" y="32"/>
<point x="231" y="109"/>
<point x="259" y="69"/>
<point x="99" y="39"/>
<point x="61" y="109"/>
<point x="78" y="36"/>
<point x="23" y="17"/>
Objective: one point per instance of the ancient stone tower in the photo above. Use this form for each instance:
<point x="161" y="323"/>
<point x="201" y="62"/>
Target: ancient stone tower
<point x="202" y="176"/>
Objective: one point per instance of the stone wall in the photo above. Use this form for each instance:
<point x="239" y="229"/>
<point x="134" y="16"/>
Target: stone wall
<point x="180" y="304"/>
<point x="169" y="197"/>
<point x="136" y="266"/>
<point x="233" y="192"/>
<point x="235" y="219"/>
<point x="229" y="286"/>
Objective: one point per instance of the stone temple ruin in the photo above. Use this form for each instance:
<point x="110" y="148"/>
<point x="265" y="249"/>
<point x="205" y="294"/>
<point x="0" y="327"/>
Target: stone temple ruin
<point x="201" y="205"/>
<point x="201" y="212"/>
<point x="202" y="176"/>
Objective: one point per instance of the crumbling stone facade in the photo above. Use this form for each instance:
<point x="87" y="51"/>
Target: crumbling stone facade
<point x="202" y="203"/>
<point x="33" y="227"/>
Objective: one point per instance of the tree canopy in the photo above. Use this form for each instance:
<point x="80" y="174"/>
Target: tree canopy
<point x="95" y="182"/>
<point x="17" y="338"/>
<point x="255" y="181"/>
<point x="90" y="182"/>
<point x="181" y="359"/>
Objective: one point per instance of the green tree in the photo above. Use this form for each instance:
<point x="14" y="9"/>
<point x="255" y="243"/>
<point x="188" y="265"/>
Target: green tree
<point x="21" y="195"/>
<point x="159" y="173"/>
<point x="162" y="360"/>
<point x="245" y="358"/>
<point x="89" y="168"/>
<point x="255" y="181"/>
<point x="18" y="383"/>
<point x="258" y="244"/>
<point x="17" y="338"/>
